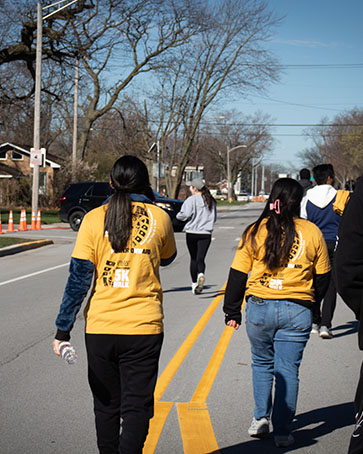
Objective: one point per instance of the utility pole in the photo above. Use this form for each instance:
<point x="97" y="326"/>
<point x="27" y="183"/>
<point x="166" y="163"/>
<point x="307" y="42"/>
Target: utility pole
<point x="263" y="180"/>
<point x="75" y="120"/>
<point x="252" y="179"/>
<point x="38" y="83"/>
<point x="158" y="165"/>
<point x="229" y="186"/>
<point x="38" y="79"/>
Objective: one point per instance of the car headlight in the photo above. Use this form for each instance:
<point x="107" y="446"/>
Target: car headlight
<point x="165" y="206"/>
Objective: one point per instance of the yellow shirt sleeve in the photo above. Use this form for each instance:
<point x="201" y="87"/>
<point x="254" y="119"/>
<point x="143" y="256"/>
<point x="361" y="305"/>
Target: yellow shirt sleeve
<point x="84" y="247"/>
<point x="169" y="246"/>
<point x="322" y="262"/>
<point x="243" y="258"/>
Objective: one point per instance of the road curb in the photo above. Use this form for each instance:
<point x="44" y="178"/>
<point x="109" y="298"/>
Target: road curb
<point x="14" y="249"/>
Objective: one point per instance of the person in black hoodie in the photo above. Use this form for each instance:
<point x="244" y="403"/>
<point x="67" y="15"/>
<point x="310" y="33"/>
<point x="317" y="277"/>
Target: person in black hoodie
<point x="349" y="280"/>
<point x="305" y="180"/>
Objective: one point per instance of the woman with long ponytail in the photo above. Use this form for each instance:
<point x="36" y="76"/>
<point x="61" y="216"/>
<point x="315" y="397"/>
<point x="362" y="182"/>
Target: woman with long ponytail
<point x="281" y="267"/>
<point x="121" y="245"/>
<point x="199" y="210"/>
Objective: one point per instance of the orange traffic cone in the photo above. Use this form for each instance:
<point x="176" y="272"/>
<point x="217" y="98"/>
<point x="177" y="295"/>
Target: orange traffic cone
<point x="33" y="225"/>
<point x="39" y="223"/>
<point x="1" y="230"/>
<point x="22" y="223"/>
<point x="10" y="223"/>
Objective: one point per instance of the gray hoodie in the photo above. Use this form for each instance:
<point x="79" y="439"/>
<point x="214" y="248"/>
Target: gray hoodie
<point x="200" y="218"/>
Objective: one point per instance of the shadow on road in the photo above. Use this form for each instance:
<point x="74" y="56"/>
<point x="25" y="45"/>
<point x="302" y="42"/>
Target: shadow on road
<point x="307" y="429"/>
<point x="346" y="329"/>
<point x="205" y="293"/>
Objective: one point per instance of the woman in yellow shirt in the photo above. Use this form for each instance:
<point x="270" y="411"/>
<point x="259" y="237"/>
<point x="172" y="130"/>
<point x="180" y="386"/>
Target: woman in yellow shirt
<point x="289" y="271"/>
<point x="121" y="244"/>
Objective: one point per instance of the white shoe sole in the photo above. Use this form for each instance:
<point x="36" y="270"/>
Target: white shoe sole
<point x="199" y="287"/>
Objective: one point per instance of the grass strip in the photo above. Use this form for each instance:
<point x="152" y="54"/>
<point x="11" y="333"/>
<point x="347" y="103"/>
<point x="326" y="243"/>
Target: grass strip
<point x="9" y="241"/>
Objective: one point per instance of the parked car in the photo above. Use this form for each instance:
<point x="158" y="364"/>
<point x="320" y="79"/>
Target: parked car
<point x="79" y="198"/>
<point x="220" y="195"/>
<point x="243" y="196"/>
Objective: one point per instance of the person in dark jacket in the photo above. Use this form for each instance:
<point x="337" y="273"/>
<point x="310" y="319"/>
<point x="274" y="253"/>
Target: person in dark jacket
<point x="318" y="207"/>
<point x="349" y="280"/>
<point x="305" y="180"/>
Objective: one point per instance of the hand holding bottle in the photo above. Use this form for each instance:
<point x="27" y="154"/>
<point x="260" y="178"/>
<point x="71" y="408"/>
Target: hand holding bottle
<point x="65" y="350"/>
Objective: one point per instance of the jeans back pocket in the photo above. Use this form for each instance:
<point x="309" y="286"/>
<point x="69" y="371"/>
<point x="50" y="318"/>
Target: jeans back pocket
<point x="256" y="310"/>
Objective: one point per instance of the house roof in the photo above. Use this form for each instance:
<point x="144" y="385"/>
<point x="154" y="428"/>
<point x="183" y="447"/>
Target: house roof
<point x="24" y="151"/>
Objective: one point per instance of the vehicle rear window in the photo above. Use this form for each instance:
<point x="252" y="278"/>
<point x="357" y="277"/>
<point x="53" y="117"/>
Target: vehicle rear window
<point x="76" y="189"/>
<point x="101" y="190"/>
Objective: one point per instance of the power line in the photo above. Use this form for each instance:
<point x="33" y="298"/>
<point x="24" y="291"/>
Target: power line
<point x="284" y="124"/>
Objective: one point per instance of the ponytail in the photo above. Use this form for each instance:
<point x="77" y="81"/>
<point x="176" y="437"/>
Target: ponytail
<point x="128" y="175"/>
<point x="208" y="198"/>
<point x="118" y="220"/>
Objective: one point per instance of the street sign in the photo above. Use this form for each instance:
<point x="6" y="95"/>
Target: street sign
<point x="155" y="170"/>
<point x="37" y="157"/>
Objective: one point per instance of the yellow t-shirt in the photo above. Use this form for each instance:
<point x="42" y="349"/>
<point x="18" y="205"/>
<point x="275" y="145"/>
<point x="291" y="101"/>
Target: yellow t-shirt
<point x="308" y="256"/>
<point x="127" y="295"/>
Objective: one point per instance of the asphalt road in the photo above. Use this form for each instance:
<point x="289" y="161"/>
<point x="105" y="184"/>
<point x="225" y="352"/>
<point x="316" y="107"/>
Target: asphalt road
<point x="204" y="392"/>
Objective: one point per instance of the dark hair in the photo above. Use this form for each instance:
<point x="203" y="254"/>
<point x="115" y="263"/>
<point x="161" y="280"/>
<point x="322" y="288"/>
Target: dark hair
<point x="304" y="174"/>
<point x="128" y="175"/>
<point x="281" y="230"/>
<point x="322" y="172"/>
<point x="209" y="200"/>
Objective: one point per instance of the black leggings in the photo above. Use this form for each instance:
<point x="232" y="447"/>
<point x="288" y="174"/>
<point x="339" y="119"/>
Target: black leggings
<point x="198" y="244"/>
<point x="122" y="372"/>
<point x="356" y="441"/>
<point x="323" y="313"/>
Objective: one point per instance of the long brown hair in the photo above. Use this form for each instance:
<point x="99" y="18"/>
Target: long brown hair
<point x="286" y="195"/>
<point x="209" y="200"/>
<point x="128" y="175"/>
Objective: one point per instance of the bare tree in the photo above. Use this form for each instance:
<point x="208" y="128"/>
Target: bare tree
<point x="18" y="40"/>
<point x="231" y="131"/>
<point x="227" y="56"/>
<point x="125" y="38"/>
<point x="339" y="142"/>
<point x="135" y="34"/>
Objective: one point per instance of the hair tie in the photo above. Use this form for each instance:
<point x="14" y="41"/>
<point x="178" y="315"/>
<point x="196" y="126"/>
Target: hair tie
<point x="275" y="206"/>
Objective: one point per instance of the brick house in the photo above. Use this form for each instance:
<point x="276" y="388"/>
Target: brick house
<point x="15" y="164"/>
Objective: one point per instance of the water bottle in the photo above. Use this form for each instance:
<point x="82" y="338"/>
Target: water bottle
<point x="67" y="352"/>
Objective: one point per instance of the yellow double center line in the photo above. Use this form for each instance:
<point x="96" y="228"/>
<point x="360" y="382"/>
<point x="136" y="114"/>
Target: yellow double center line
<point x="195" y="424"/>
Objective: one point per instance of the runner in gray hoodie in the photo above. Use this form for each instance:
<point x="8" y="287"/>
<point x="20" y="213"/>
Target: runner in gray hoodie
<point x="199" y="210"/>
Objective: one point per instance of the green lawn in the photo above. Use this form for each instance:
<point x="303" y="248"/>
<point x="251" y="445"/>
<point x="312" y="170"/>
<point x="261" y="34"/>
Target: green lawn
<point x="47" y="216"/>
<point x="9" y="241"/>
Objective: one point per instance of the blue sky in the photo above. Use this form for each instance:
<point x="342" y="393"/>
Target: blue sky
<point x="312" y="32"/>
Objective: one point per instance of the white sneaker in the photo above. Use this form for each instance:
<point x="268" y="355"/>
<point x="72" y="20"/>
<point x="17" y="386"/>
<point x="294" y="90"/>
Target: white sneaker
<point x="325" y="332"/>
<point x="259" y="427"/>
<point x="282" y="441"/>
<point x="194" y="286"/>
<point x="200" y="283"/>
<point x="315" y="328"/>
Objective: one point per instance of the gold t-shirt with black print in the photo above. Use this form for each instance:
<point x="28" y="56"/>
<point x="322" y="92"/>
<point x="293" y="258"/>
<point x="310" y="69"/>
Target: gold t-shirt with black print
<point x="308" y="256"/>
<point x="127" y="294"/>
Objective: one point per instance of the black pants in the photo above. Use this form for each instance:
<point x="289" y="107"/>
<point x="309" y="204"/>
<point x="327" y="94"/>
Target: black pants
<point x="198" y="244"/>
<point x="325" y="316"/>
<point x="356" y="442"/>
<point x="122" y="373"/>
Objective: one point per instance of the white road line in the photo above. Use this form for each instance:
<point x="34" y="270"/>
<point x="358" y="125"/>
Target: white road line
<point x="33" y="274"/>
<point x="226" y="227"/>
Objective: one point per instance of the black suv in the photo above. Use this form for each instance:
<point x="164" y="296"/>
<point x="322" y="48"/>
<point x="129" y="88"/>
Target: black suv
<point x="80" y="198"/>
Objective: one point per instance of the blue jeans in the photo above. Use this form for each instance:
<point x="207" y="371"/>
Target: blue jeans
<point x="278" y="331"/>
